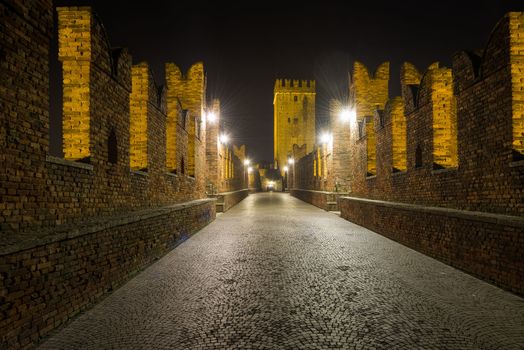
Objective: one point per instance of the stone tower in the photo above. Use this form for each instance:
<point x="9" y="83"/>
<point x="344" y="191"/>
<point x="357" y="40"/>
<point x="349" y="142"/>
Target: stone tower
<point x="294" y="106"/>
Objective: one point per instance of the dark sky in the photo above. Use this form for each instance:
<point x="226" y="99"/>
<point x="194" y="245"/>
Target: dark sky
<point x="246" y="47"/>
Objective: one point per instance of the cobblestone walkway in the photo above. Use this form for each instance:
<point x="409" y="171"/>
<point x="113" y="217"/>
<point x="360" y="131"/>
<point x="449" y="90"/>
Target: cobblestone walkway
<point x="276" y="273"/>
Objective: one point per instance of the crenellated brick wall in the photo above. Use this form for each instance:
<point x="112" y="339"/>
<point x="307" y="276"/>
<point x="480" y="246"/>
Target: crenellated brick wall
<point x="126" y="192"/>
<point x="432" y="168"/>
<point x="485" y="176"/>
<point x="227" y="178"/>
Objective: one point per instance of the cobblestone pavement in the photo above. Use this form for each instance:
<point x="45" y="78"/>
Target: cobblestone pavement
<point x="276" y="273"/>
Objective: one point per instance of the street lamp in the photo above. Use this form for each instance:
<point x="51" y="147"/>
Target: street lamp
<point x="286" y="169"/>
<point x="348" y="115"/>
<point x="325" y="138"/>
<point x="224" y="138"/>
<point x="291" y="161"/>
<point x="246" y="162"/>
<point x="211" y="117"/>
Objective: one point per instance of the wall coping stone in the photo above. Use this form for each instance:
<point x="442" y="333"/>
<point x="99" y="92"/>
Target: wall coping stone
<point x="445" y="170"/>
<point x="139" y="172"/>
<point x="317" y="191"/>
<point x="231" y="192"/>
<point x="70" y="163"/>
<point x="398" y="173"/>
<point x="28" y="240"/>
<point x="516" y="164"/>
<point x="493" y="218"/>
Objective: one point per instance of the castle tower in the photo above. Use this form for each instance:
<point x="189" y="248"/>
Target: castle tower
<point x="294" y="106"/>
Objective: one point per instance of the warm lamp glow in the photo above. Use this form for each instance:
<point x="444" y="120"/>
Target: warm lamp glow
<point x="291" y="161"/>
<point x="250" y="170"/>
<point x="224" y="138"/>
<point x="211" y="117"/>
<point x="286" y="168"/>
<point x="246" y="162"/>
<point x="348" y="115"/>
<point x="325" y="138"/>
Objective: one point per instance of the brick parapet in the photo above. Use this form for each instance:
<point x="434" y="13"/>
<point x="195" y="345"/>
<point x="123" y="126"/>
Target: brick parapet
<point x="63" y="284"/>
<point x="445" y="234"/>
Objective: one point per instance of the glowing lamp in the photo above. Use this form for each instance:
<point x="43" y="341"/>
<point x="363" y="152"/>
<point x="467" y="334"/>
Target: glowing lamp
<point x="211" y="117"/>
<point x="286" y="168"/>
<point x="246" y="162"/>
<point x="224" y="138"/>
<point x="325" y="138"/>
<point x="348" y="115"/>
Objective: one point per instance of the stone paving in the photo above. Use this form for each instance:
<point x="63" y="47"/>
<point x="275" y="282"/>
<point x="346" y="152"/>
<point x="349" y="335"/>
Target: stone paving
<point x="277" y="273"/>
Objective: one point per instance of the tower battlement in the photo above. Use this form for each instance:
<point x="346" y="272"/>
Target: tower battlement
<point x="294" y="85"/>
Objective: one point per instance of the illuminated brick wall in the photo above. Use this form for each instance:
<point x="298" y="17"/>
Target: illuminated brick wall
<point x="409" y="75"/>
<point x="369" y="92"/>
<point x="371" y="147"/>
<point x="341" y="160"/>
<point x="516" y="24"/>
<point x="444" y="116"/>
<point x="189" y="90"/>
<point x="294" y="117"/>
<point x="74" y="39"/>
<point x="462" y="138"/>
<point x="240" y="152"/>
<point x="398" y="134"/>
<point x="97" y="206"/>
<point x="225" y="162"/>
<point x="214" y="166"/>
<point x="139" y="98"/>
<point x="448" y="141"/>
<point x="174" y="112"/>
<point x="65" y="191"/>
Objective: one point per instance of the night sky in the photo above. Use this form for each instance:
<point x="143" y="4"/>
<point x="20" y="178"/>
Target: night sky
<point x="246" y="47"/>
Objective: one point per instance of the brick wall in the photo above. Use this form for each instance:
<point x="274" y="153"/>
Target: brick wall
<point x="482" y="173"/>
<point x="46" y="284"/>
<point x="294" y="117"/>
<point x="225" y="161"/>
<point x="450" y="141"/>
<point x="488" y="246"/>
<point x="317" y="198"/>
<point x="487" y="178"/>
<point x="73" y="228"/>
<point x="24" y="101"/>
<point x="39" y="193"/>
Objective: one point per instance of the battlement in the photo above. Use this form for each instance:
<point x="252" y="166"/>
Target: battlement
<point x="369" y="91"/>
<point x="294" y="85"/>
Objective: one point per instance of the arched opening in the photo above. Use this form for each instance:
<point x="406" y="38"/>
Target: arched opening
<point x="182" y="166"/>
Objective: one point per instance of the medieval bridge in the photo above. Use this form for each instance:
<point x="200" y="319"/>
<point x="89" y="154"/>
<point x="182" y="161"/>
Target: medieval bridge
<point x="276" y="273"/>
<point x="400" y="227"/>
